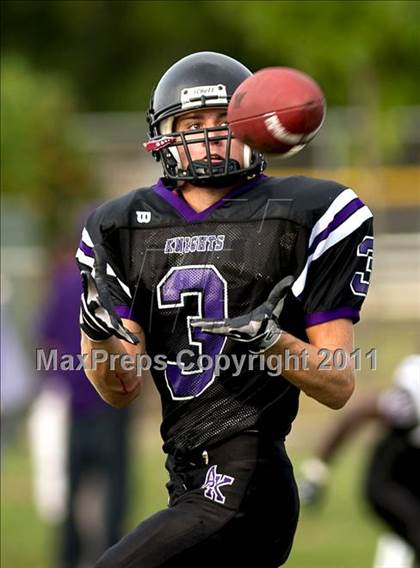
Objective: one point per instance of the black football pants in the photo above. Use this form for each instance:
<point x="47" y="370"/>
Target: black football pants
<point x="234" y="505"/>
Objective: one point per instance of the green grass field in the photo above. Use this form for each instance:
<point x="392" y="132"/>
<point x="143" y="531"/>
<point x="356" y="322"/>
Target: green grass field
<point x="341" y="534"/>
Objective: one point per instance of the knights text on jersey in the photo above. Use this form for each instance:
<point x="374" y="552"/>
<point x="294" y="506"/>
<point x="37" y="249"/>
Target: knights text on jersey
<point x="169" y="264"/>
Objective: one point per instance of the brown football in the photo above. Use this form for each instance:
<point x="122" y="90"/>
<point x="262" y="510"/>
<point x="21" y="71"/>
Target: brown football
<point x="277" y="110"/>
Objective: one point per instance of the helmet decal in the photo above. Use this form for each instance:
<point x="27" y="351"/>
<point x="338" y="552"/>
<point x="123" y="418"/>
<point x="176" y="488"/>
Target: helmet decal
<point x="198" y="97"/>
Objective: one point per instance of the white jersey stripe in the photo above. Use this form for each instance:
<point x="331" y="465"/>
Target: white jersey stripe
<point x="339" y="203"/>
<point x="84" y="258"/>
<point x="86" y="238"/>
<point x="337" y="235"/>
<point x="110" y="272"/>
<point x="343" y="230"/>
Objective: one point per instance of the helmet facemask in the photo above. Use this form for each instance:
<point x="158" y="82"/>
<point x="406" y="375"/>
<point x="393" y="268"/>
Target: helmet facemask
<point x="206" y="171"/>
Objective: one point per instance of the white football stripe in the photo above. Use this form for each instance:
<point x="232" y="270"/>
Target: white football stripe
<point x="339" y="203"/>
<point x="337" y="235"/>
<point x="280" y="132"/>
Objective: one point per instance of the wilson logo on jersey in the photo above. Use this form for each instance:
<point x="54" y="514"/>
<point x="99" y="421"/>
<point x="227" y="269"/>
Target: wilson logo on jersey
<point x="143" y="216"/>
<point x="196" y="243"/>
<point x="214" y="482"/>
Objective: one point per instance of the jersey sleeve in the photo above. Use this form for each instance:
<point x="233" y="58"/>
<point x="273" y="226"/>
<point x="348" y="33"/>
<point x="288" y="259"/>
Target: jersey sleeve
<point x="101" y="228"/>
<point x="334" y="280"/>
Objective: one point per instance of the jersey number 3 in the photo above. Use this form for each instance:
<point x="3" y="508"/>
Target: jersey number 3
<point x="360" y="281"/>
<point x="195" y="369"/>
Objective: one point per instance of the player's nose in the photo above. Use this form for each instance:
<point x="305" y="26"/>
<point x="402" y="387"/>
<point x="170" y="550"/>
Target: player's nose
<point x="215" y="135"/>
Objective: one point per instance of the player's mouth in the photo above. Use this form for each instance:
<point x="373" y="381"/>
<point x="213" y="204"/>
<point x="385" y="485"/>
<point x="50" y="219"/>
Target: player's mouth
<point x="214" y="158"/>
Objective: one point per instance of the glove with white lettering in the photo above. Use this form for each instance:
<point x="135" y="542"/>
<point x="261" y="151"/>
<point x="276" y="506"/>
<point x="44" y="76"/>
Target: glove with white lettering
<point x="98" y="318"/>
<point x="259" y="329"/>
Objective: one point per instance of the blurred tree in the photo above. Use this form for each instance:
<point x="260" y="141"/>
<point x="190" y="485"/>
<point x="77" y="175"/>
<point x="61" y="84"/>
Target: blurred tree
<point x="363" y="54"/>
<point x="115" y="50"/>
<point x="351" y="47"/>
<point x="42" y="162"/>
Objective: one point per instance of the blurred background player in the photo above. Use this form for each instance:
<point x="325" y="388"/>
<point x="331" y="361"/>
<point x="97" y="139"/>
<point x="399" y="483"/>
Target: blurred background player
<point x="392" y="482"/>
<point x="94" y="457"/>
<point x="18" y="383"/>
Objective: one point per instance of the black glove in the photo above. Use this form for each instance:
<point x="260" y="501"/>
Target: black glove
<point x="258" y="329"/>
<point x="98" y="318"/>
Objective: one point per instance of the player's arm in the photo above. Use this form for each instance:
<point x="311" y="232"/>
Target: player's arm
<point x="115" y="376"/>
<point x="316" y="374"/>
<point x="315" y="471"/>
<point x="330" y="288"/>
<point x="261" y="332"/>
<point x="393" y="408"/>
<point x="347" y="426"/>
<point x="111" y="340"/>
<point x="111" y="345"/>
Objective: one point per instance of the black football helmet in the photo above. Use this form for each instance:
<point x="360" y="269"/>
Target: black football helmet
<point x="199" y="81"/>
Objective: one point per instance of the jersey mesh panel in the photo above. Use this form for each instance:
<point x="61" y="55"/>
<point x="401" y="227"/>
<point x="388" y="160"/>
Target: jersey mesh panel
<point x="231" y="403"/>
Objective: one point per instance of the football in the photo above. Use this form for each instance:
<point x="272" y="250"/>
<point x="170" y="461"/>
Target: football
<point x="278" y="110"/>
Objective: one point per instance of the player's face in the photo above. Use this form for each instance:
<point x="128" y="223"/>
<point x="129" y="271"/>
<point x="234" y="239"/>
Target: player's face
<point x="208" y="118"/>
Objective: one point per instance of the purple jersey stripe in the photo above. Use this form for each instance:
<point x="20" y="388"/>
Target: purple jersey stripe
<point x="86" y="249"/>
<point x="189" y="214"/>
<point x="329" y="315"/>
<point x="338" y="219"/>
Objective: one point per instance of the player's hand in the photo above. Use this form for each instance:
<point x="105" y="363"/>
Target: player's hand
<point x="259" y="329"/>
<point x="98" y="318"/>
<point x="312" y="482"/>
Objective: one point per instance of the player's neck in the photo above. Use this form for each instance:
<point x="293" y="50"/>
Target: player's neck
<point x="200" y="198"/>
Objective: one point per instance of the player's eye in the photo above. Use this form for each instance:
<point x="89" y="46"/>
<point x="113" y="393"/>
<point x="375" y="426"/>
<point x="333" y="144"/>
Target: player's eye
<point x="189" y="125"/>
<point x="194" y="126"/>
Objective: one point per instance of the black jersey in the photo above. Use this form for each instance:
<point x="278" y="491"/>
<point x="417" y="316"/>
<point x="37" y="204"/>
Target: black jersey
<point x="169" y="264"/>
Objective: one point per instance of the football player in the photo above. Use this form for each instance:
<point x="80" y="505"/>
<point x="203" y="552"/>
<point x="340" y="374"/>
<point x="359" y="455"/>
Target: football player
<point x="227" y="273"/>
<point x="392" y="484"/>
